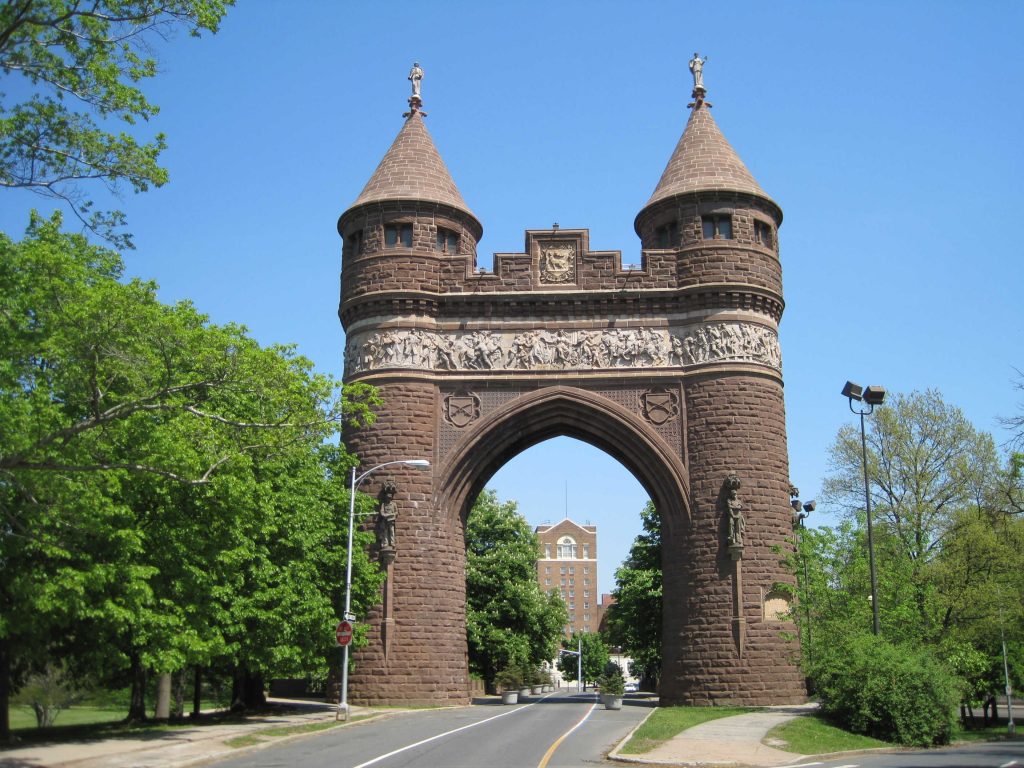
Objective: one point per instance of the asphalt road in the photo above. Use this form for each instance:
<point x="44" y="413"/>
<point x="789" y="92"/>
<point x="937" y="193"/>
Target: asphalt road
<point x="555" y="731"/>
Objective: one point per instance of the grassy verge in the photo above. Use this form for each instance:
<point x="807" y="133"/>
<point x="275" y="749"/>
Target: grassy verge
<point x="995" y="732"/>
<point x="247" y="740"/>
<point x="666" y="722"/>
<point x="810" y="735"/>
<point x="22" y="716"/>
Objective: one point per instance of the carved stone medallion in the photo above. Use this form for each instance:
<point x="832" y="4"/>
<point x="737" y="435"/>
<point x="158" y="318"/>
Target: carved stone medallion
<point x="660" y="405"/>
<point x="461" y="410"/>
<point x="558" y="262"/>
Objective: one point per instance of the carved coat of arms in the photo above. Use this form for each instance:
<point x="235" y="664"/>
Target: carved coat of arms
<point x="461" y="410"/>
<point x="558" y="262"/>
<point x="660" y="405"/>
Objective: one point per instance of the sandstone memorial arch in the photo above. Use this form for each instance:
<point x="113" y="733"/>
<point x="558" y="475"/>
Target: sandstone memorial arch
<point x="672" y="367"/>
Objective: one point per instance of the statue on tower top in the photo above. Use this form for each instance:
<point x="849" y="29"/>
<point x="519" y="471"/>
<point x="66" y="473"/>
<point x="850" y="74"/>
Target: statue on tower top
<point x="697" y="69"/>
<point x="415" y="101"/>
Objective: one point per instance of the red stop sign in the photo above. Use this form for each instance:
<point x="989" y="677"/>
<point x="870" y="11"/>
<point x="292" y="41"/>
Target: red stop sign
<point x="343" y="632"/>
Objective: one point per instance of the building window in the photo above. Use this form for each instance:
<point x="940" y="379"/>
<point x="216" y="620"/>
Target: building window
<point x="572" y="593"/>
<point x="718" y="227"/>
<point x="447" y="241"/>
<point x="586" y="606"/>
<point x="547" y="569"/>
<point x="547" y="551"/>
<point x="586" y="569"/>
<point x="586" y="617"/>
<point x="398" y="234"/>
<point x="566" y="548"/>
<point x="586" y="582"/>
<point x="547" y="582"/>
<point x="586" y="551"/>
<point x="586" y="593"/>
<point x="762" y="233"/>
<point x="572" y="580"/>
<point x="666" y="236"/>
<point x="563" y="582"/>
<point x="562" y="569"/>
<point x="354" y="243"/>
<point x="572" y="569"/>
<point x="572" y="606"/>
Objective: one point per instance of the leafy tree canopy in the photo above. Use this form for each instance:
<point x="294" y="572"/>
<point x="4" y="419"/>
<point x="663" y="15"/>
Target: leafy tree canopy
<point x="78" y="65"/>
<point x="510" y="621"/>
<point x="595" y="656"/>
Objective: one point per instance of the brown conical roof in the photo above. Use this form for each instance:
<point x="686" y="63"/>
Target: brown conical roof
<point x="412" y="169"/>
<point x="704" y="161"/>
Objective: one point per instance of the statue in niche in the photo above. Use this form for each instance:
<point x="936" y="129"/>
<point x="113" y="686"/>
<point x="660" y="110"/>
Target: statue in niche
<point x="737" y="523"/>
<point x="387" y="515"/>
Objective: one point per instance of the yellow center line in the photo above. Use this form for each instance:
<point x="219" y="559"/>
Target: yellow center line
<point x="551" y="750"/>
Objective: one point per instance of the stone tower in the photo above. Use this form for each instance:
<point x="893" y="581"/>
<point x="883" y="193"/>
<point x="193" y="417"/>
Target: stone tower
<point x="672" y="368"/>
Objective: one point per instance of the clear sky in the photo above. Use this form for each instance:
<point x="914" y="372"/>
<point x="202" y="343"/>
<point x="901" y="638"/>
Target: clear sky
<point x="890" y="134"/>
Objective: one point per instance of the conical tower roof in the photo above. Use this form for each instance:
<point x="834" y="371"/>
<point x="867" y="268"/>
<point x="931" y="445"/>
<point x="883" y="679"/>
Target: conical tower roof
<point x="412" y="169"/>
<point x="704" y="161"/>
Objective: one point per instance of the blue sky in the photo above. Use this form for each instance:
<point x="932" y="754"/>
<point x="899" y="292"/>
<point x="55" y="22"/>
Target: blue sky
<point x="890" y="134"/>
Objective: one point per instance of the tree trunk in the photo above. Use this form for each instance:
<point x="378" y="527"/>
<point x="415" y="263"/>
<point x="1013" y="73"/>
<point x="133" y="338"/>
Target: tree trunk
<point x="5" y="693"/>
<point x="197" y="692"/>
<point x="254" y="695"/>
<point x="163" y="696"/>
<point x="137" y="706"/>
<point x="178" y="694"/>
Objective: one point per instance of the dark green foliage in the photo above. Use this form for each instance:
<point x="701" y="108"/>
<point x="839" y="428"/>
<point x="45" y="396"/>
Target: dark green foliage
<point x="897" y="693"/>
<point x="510" y="621"/>
<point x="633" y="621"/>
<point x="595" y="656"/>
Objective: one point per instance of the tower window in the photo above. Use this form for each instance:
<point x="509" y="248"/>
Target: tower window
<point x="667" y="235"/>
<point x="586" y="551"/>
<point x="718" y="226"/>
<point x="566" y="548"/>
<point x="354" y="243"/>
<point x="762" y="233"/>
<point x="398" y="234"/>
<point x="447" y="241"/>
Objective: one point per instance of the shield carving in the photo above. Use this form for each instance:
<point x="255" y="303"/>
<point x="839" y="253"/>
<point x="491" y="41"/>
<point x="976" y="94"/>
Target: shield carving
<point x="461" y="410"/>
<point x="660" y="405"/>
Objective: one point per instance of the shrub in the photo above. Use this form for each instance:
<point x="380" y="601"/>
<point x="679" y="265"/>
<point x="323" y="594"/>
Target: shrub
<point x="510" y="679"/>
<point x="611" y="681"/>
<point x="896" y="693"/>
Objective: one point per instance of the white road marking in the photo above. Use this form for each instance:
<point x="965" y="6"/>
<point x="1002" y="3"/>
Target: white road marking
<point x="1009" y="764"/>
<point x="442" y="735"/>
<point x="800" y="765"/>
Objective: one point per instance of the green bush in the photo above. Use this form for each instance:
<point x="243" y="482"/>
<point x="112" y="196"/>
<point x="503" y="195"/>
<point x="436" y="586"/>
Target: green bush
<point x="891" y="692"/>
<point x="612" y="682"/>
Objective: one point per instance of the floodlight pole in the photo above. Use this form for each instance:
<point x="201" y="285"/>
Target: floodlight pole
<point x="854" y="392"/>
<point x="342" y="713"/>
<point x="1010" y="728"/>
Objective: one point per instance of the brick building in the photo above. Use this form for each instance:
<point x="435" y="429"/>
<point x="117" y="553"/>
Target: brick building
<point x="568" y="564"/>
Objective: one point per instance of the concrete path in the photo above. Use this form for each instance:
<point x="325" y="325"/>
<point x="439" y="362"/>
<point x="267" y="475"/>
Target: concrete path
<point x="733" y="741"/>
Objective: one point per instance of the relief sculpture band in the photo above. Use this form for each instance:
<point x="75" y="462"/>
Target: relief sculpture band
<point x="539" y="349"/>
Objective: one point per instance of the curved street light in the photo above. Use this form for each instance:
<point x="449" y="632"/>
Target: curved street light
<point x="871" y="396"/>
<point x="418" y="463"/>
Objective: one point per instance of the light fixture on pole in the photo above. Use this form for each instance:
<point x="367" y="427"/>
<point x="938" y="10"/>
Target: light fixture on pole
<point x="419" y="463"/>
<point x="871" y="396"/>
<point x="798" y="521"/>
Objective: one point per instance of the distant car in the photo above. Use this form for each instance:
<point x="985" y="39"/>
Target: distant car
<point x="632" y="687"/>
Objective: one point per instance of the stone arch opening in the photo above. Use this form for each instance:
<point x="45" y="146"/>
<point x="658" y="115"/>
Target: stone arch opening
<point x="571" y="412"/>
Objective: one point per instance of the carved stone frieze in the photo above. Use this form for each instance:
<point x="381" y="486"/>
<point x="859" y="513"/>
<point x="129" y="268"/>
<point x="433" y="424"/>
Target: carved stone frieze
<point x="541" y="350"/>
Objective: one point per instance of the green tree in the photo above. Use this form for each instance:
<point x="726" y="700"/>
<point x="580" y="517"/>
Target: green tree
<point x="147" y="454"/>
<point x="595" y="656"/>
<point x="510" y="621"/>
<point x="79" y="64"/>
<point x="633" y="621"/>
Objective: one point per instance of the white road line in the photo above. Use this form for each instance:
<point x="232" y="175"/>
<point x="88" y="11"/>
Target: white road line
<point x="805" y="765"/>
<point x="1009" y="764"/>
<point x="442" y="735"/>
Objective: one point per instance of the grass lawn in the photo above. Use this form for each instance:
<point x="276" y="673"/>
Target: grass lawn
<point x="981" y="733"/>
<point x="666" y="722"/>
<point x="22" y="716"/>
<point x="810" y="735"/>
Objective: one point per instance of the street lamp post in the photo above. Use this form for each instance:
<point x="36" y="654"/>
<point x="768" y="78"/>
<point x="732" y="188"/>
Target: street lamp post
<point x="808" y="507"/>
<point x="420" y="463"/>
<point x="871" y="396"/>
<point x="578" y="653"/>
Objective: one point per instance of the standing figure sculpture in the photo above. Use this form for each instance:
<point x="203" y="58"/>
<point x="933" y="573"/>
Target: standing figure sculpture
<point x="387" y="514"/>
<point x="737" y="523"/>
<point x="415" y="77"/>
<point x="697" y="68"/>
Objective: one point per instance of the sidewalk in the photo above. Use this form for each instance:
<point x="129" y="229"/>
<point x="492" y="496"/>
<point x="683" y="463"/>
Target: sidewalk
<point x="727" y="741"/>
<point x="174" y="747"/>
